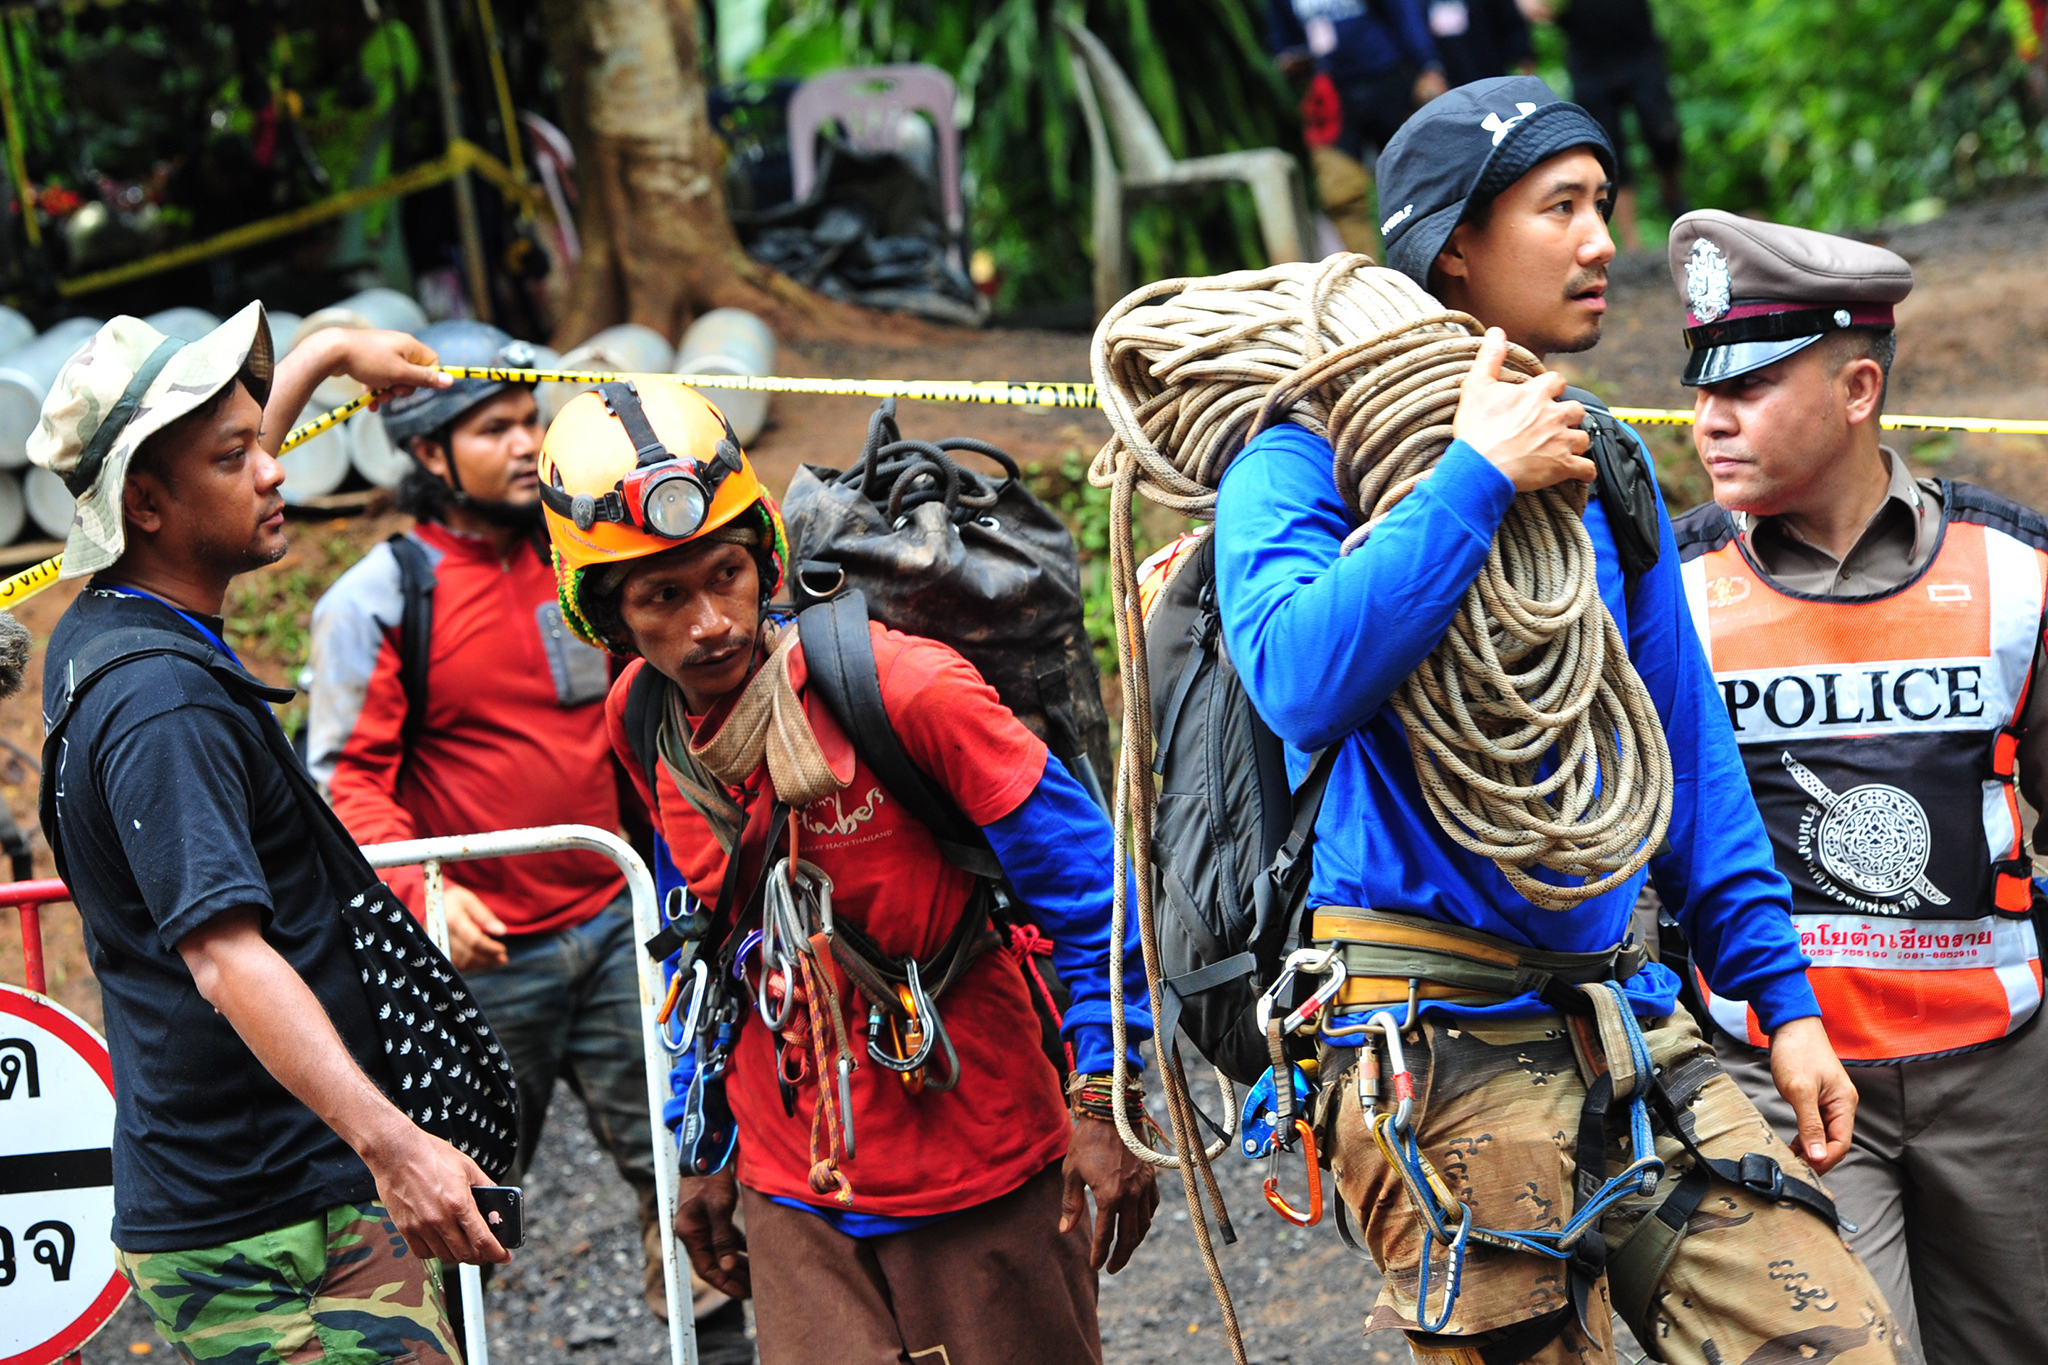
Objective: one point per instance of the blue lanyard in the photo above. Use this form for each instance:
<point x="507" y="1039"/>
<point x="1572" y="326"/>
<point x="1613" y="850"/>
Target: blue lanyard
<point x="120" y="590"/>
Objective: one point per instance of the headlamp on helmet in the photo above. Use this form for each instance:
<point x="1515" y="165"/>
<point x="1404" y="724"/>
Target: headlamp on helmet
<point x="666" y="495"/>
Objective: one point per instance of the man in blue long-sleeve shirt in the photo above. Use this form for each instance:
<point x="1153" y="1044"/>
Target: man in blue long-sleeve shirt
<point x="1498" y="194"/>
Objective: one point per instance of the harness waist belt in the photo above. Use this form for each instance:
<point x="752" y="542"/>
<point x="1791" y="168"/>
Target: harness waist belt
<point x="1386" y="954"/>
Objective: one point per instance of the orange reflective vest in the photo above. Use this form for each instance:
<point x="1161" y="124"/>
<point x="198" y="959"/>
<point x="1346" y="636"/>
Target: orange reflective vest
<point x="1880" y="736"/>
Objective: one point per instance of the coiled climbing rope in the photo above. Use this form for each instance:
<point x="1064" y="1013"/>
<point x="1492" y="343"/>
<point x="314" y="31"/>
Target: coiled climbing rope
<point x="1189" y="370"/>
<point x="1535" y="742"/>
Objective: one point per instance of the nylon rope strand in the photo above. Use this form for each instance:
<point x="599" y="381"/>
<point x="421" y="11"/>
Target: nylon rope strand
<point x="1532" y="665"/>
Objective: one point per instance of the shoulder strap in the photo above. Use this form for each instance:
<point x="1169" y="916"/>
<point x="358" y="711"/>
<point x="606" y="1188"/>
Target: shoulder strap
<point x="114" y="649"/>
<point x="1701" y="531"/>
<point x="1626" y="486"/>
<point x="1970" y="503"/>
<point x="642" y="720"/>
<point x="839" y="656"/>
<point x="1280" y="890"/>
<point x="415" y="632"/>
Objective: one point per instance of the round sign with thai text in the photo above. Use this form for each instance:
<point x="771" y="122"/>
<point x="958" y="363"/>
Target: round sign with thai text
<point x="58" y="1280"/>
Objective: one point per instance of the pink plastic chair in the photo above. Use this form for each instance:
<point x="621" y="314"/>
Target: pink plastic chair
<point x="869" y="103"/>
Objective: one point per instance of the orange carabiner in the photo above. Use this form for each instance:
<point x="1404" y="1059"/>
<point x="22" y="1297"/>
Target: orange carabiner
<point x="908" y="1039"/>
<point x="1315" y="1183"/>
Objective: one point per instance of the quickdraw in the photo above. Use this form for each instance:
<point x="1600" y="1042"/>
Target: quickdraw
<point x="1303" y="961"/>
<point x="1436" y="1204"/>
<point x="1270" y="1122"/>
<point x="798" y="993"/>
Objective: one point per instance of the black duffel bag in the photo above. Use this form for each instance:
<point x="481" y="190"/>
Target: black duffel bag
<point x="973" y="561"/>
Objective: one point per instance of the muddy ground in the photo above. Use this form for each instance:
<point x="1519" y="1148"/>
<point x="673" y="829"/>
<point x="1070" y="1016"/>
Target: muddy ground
<point x="1971" y="342"/>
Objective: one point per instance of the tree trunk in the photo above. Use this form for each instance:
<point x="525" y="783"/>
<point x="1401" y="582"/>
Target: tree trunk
<point x="657" y="246"/>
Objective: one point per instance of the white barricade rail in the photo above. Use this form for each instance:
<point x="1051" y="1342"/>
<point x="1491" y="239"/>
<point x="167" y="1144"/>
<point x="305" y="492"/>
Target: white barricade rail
<point x="462" y="848"/>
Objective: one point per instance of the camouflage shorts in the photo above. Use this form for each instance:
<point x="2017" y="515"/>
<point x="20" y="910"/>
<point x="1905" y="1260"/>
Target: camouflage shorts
<point x="1497" y="1111"/>
<point x="340" y="1288"/>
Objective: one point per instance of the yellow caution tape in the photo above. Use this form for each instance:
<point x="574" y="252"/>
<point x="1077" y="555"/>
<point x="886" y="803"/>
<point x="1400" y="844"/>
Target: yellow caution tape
<point x="1993" y="426"/>
<point x="1060" y="393"/>
<point x="1055" y="393"/>
<point x="29" y="582"/>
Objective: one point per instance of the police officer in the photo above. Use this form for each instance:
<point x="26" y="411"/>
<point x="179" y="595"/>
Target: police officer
<point x="1874" y="637"/>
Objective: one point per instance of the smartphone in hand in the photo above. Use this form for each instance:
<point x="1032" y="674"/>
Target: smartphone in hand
<point x="504" y="1211"/>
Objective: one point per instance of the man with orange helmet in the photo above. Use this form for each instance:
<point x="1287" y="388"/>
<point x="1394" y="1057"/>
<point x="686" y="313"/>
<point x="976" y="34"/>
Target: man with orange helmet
<point x="955" y="1225"/>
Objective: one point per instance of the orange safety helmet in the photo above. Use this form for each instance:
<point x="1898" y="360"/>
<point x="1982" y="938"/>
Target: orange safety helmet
<point x="631" y="469"/>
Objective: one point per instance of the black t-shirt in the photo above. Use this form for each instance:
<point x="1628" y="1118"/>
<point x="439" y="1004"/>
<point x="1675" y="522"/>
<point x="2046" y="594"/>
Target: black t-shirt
<point x="1607" y="31"/>
<point x="172" y="809"/>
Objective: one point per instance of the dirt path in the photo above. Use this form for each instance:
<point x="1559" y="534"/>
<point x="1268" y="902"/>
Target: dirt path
<point x="1971" y="342"/>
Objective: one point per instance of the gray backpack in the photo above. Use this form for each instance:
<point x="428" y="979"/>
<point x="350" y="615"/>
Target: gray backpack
<point x="1230" y="843"/>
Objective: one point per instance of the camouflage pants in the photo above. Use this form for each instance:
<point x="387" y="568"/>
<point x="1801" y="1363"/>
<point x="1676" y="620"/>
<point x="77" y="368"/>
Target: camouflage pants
<point x="340" y="1288"/>
<point x="1497" y="1110"/>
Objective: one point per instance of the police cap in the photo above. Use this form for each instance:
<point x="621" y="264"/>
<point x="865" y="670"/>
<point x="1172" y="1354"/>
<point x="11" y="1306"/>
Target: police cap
<point x="1756" y="292"/>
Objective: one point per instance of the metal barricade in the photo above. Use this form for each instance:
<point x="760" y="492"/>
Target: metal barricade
<point x="29" y="898"/>
<point x="430" y="854"/>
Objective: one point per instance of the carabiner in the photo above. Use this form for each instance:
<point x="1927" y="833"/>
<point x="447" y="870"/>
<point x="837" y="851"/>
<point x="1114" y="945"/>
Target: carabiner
<point x="1403" y="1080"/>
<point x="1314" y="1215"/>
<point x="1314" y="961"/>
<point x="700" y="972"/>
<point x="914" y="1038"/>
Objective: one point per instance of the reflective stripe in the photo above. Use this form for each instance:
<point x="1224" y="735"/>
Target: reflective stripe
<point x="1735" y="1018"/>
<point x="2022" y="982"/>
<point x="2001" y="821"/>
<point x="1875" y="944"/>
<point x="1693" y="575"/>
<point x="2017" y="574"/>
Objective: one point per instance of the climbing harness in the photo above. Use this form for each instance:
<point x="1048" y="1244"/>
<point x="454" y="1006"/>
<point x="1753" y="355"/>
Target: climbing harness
<point x="1394" y="961"/>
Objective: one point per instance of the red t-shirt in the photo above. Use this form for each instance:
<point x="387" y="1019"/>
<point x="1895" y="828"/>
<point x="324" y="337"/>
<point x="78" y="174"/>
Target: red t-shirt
<point x="1006" y="1120"/>
<point x="500" y="747"/>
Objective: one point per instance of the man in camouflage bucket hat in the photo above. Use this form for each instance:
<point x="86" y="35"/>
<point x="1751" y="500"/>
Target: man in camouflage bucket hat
<point x="269" y="1202"/>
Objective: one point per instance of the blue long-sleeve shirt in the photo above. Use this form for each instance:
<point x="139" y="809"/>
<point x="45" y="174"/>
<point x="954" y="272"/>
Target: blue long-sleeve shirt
<point x="1057" y="850"/>
<point x="1323" y="641"/>
<point x="1373" y="36"/>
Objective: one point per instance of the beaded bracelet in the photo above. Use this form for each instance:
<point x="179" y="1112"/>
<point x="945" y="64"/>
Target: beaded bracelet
<point x="1095" y="1096"/>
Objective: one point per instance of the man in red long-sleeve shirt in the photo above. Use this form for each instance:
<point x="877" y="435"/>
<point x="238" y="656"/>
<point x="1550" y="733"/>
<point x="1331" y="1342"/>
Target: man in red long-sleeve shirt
<point x="511" y="735"/>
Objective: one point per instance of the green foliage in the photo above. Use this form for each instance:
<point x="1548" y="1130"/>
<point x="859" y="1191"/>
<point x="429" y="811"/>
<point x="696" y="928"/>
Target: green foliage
<point x="1199" y="65"/>
<point x="1844" y="113"/>
<point x="270" y="615"/>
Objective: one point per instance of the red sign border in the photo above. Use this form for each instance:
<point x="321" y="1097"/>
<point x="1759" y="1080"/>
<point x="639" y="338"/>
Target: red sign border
<point x="26" y="1004"/>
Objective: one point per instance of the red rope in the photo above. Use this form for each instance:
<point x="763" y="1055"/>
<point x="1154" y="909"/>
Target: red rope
<point x="1028" y="942"/>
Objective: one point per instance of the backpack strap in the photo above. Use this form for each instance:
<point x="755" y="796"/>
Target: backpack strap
<point x="100" y="657"/>
<point x="839" y="655"/>
<point x="1626" y="486"/>
<point x="642" y="720"/>
<point x="1276" y="897"/>
<point x="415" y="632"/>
